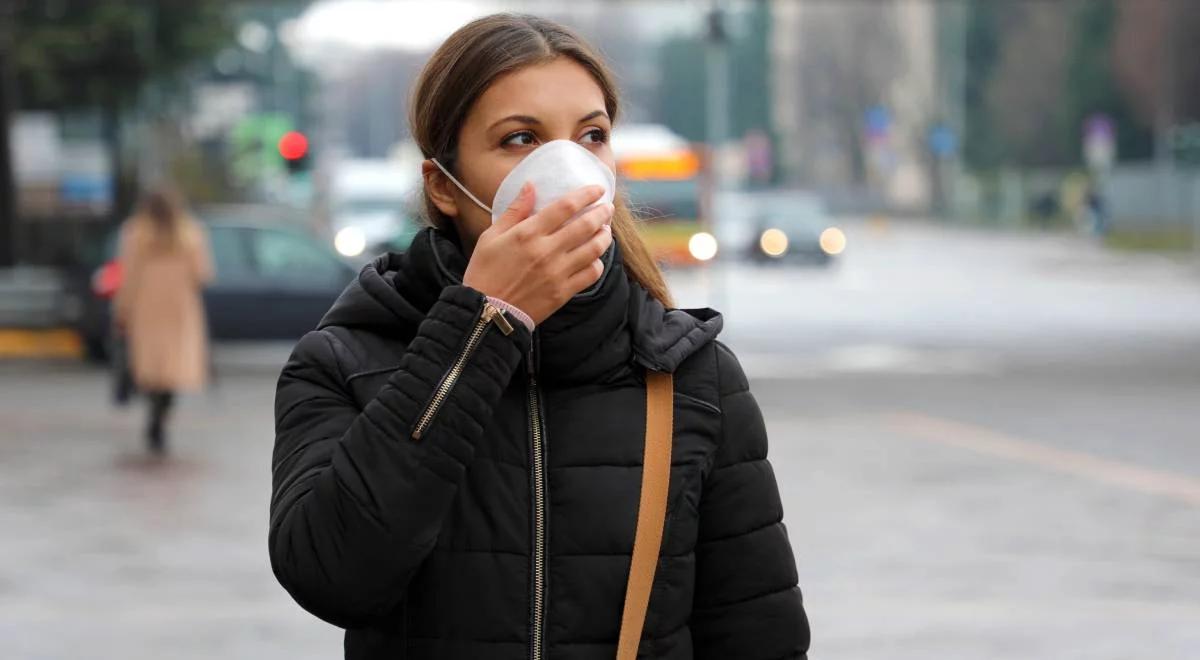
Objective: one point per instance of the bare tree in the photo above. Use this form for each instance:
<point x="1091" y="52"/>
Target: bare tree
<point x="850" y="52"/>
<point x="1027" y="91"/>
<point x="1156" y="59"/>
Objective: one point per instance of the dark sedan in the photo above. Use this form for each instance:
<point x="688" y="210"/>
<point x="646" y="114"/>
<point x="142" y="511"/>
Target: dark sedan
<point x="272" y="283"/>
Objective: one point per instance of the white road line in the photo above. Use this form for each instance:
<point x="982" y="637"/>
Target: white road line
<point x="1116" y="473"/>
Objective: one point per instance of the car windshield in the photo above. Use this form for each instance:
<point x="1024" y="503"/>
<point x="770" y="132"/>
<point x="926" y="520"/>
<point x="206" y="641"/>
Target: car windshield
<point x="796" y="213"/>
<point x="230" y="254"/>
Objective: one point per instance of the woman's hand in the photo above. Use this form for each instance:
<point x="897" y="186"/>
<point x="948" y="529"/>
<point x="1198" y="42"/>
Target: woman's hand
<point x="536" y="262"/>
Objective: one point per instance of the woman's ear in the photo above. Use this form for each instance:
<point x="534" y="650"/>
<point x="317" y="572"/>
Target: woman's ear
<point x="439" y="188"/>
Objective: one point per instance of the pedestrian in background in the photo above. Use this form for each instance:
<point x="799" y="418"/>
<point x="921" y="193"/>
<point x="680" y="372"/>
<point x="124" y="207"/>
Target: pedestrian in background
<point x="465" y="453"/>
<point x="165" y="264"/>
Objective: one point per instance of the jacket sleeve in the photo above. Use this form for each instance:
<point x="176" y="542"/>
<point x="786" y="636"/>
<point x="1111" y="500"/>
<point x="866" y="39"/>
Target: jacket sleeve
<point x="747" y="603"/>
<point x="356" y="503"/>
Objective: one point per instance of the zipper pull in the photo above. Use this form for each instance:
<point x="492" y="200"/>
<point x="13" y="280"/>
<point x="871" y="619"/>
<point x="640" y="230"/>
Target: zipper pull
<point x="493" y="314"/>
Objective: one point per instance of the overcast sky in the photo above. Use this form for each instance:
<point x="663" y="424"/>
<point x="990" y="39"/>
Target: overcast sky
<point x="421" y="25"/>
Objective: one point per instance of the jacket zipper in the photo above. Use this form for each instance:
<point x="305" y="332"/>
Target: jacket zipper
<point x="539" y="515"/>
<point x="489" y="316"/>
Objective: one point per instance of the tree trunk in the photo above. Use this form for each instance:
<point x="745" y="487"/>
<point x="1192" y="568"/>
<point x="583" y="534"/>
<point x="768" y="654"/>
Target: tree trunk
<point x="8" y="188"/>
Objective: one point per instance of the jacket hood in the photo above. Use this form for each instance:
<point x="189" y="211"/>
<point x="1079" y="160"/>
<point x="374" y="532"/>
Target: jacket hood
<point x="613" y="323"/>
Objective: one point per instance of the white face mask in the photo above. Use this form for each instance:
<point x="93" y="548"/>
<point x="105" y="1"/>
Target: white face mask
<point x="555" y="169"/>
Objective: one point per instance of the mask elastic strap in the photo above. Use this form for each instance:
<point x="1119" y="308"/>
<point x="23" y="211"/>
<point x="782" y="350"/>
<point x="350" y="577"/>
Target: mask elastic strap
<point x="461" y="186"/>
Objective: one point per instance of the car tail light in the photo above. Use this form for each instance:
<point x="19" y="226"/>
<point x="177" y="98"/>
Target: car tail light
<point x="107" y="279"/>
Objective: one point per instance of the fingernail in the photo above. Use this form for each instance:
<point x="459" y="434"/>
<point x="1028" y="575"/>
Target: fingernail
<point x="596" y="190"/>
<point x="525" y="189"/>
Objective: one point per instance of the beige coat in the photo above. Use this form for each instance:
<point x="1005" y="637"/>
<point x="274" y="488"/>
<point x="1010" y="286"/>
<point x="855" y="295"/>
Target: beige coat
<point x="160" y="306"/>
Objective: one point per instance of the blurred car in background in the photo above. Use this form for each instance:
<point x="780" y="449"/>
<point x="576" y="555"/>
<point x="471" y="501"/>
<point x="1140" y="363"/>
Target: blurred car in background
<point x="373" y="206"/>
<point x="272" y="282"/>
<point x="398" y="242"/>
<point x="778" y="226"/>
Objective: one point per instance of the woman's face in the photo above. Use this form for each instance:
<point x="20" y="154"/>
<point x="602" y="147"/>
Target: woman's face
<point x="519" y="112"/>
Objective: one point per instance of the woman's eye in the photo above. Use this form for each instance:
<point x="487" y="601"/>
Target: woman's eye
<point x="596" y="136"/>
<point x="520" y="138"/>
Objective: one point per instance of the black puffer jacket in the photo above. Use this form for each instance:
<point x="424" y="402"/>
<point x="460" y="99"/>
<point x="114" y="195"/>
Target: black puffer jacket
<point x="505" y="530"/>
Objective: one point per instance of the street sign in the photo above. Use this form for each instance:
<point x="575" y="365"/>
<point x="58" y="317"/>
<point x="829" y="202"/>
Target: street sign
<point x="255" y="141"/>
<point x="1099" y="141"/>
<point x="758" y="155"/>
<point x="942" y="141"/>
<point x="877" y="121"/>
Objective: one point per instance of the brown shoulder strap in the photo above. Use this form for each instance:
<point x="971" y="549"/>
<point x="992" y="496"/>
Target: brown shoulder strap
<point x="652" y="510"/>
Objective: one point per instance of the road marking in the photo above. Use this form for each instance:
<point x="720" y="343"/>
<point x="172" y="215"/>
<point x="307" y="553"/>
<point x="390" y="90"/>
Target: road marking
<point x="1116" y="473"/>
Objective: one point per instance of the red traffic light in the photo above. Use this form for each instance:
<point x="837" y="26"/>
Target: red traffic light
<point x="293" y="145"/>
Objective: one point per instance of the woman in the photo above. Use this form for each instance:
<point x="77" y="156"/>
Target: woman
<point x="165" y="264"/>
<point x="449" y="484"/>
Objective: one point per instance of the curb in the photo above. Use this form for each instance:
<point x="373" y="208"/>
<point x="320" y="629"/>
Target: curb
<point x="40" y="344"/>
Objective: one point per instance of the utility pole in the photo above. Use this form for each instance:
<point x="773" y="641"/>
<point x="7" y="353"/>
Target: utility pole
<point x="717" y="128"/>
<point x="716" y="102"/>
<point x="8" y="189"/>
<point x="947" y="137"/>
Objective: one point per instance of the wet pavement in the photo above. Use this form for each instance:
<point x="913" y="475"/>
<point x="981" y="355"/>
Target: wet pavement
<point x="109" y="554"/>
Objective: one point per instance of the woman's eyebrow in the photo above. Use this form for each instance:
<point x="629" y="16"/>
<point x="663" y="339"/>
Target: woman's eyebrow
<point x="534" y="121"/>
<point x="524" y="119"/>
<point x="593" y="114"/>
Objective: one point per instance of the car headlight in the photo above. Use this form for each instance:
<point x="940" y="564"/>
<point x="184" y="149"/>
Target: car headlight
<point x="703" y="246"/>
<point x="350" y="241"/>
<point x="774" y="243"/>
<point x="833" y="241"/>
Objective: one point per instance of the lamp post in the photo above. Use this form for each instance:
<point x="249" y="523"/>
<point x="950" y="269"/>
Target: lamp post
<point x="716" y="104"/>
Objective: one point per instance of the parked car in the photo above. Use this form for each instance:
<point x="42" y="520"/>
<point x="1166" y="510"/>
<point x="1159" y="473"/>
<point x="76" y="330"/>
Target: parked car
<point x="374" y="204"/>
<point x="272" y="283"/>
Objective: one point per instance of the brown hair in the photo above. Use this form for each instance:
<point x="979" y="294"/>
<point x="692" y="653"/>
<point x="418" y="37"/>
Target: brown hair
<point x="468" y="62"/>
<point x="162" y="210"/>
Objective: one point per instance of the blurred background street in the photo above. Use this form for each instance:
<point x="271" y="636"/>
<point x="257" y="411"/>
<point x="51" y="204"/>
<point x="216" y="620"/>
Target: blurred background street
<point x="955" y="244"/>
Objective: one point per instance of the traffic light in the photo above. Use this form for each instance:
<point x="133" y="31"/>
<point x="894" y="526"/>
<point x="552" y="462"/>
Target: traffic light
<point x="293" y="148"/>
